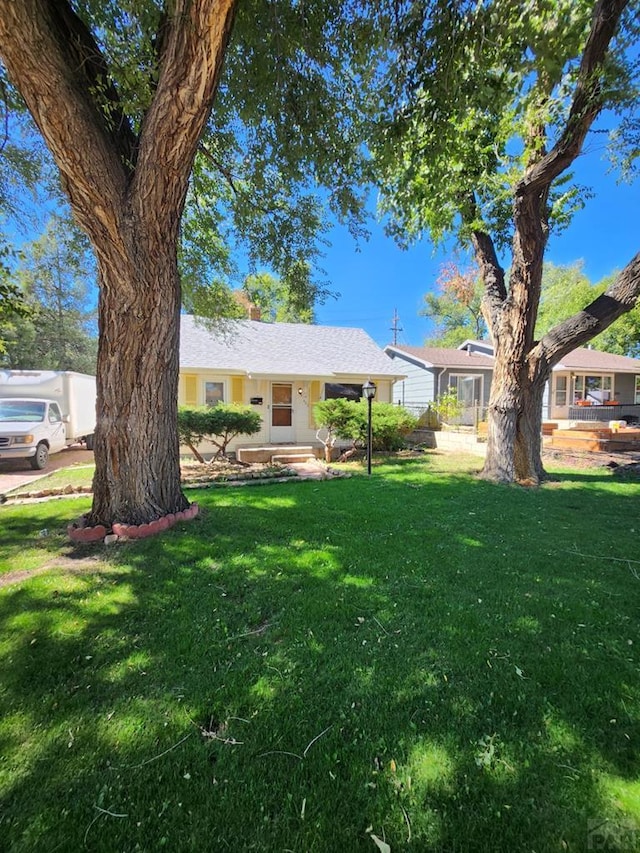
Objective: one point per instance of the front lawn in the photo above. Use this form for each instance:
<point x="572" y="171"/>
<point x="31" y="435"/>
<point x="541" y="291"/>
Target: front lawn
<point x="421" y="658"/>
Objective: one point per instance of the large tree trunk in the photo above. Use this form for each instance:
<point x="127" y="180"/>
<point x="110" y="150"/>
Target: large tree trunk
<point x="528" y="446"/>
<point x="514" y="442"/>
<point x="136" y="446"/>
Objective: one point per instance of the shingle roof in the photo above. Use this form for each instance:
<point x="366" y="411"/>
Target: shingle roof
<point x="593" y="359"/>
<point x="579" y="359"/>
<point x="444" y="357"/>
<point x="281" y="349"/>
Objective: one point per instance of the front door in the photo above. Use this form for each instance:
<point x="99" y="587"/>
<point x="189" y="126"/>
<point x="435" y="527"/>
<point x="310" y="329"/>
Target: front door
<point x="282" y="431"/>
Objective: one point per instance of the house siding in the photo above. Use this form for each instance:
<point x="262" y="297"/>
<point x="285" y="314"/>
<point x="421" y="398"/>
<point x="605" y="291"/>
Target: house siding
<point x="624" y="386"/>
<point x="418" y="387"/>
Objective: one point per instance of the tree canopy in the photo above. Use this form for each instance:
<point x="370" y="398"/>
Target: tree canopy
<point x="456" y="310"/>
<point x="488" y="108"/>
<point x="55" y="277"/>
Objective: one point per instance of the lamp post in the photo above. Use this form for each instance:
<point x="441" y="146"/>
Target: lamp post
<point x="369" y="391"/>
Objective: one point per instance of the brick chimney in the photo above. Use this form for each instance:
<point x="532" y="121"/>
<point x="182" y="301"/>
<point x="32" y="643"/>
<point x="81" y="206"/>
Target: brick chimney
<point x="253" y="312"/>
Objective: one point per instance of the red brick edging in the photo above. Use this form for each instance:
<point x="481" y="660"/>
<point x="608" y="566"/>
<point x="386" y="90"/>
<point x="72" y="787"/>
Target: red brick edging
<point x="79" y="532"/>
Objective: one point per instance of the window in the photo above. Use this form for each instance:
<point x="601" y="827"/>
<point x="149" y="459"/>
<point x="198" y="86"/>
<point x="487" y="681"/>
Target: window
<point x="346" y="391"/>
<point x="468" y="388"/>
<point x="560" y="391"/>
<point x="22" y="410"/>
<point x="54" y="414"/>
<point x="636" y="396"/>
<point x="595" y="389"/>
<point x="213" y="393"/>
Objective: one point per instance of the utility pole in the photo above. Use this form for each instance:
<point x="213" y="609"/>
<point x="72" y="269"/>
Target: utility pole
<point x="395" y="328"/>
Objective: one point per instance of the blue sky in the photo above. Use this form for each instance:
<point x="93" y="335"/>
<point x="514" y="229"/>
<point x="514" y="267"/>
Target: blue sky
<point x="379" y="277"/>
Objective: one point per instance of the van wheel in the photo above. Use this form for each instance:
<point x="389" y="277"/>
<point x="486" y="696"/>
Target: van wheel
<point x="39" y="461"/>
<point x="89" y="442"/>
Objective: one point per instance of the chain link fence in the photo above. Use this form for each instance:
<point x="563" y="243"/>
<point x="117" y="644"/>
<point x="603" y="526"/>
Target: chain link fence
<point x="467" y="417"/>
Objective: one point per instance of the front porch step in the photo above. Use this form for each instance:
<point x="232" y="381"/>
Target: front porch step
<point x="288" y="458"/>
<point x="265" y="452"/>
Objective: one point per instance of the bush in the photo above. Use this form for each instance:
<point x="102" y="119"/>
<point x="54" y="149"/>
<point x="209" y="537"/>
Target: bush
<point x="218" y="424"/>
<point x="390" y="424"/>
<point x="349" y="421"/>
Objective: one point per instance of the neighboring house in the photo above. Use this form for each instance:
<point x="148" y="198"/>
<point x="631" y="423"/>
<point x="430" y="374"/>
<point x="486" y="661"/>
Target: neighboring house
<point x="586" y="385"/>
<point x="281" y="369"/>
<point x="432" y="371"/>
<point x="587" y="381"/>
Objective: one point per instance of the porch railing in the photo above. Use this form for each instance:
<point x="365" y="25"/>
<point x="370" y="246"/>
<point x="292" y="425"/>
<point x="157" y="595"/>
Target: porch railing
<point x="629" y="412"/>
<point x="471" y="416"/>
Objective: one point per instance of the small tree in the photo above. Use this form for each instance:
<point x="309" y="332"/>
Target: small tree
<point x="448" y="406"/>
<point x="217" y="424"/>
<point x="334" y="418"/>
<point x="456" y="311"/>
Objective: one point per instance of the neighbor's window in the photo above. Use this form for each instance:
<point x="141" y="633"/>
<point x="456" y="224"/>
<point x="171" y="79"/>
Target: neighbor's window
<point x="595" y="389"/>
<point x="346" y="391"/>
<point x="637" y="394"/>
<point x="468" y="387"/>
<point x="561" y="391"/>
<point x="213" y="393"/>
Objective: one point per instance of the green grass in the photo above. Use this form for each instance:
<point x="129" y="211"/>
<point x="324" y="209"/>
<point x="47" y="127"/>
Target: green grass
<point x="420" y="655"/>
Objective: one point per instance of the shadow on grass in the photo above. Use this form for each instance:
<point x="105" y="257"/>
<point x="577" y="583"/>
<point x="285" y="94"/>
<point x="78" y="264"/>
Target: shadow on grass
<point x="445" y="663"/>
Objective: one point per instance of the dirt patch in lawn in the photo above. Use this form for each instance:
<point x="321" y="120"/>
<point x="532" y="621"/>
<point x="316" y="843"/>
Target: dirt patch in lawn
<point x="68" y="565"/>
<point x="575" y="459"/>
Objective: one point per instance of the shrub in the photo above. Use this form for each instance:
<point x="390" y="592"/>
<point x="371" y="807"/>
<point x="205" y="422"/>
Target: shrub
<point x="218" y="424"/>
<point x="390" y="424"/>
<point x="349" y="420"/>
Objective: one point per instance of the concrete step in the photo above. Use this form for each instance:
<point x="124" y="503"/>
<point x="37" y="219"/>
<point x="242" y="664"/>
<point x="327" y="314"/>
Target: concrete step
<point x="266" y="451"/>
<point x="288" y="458"/>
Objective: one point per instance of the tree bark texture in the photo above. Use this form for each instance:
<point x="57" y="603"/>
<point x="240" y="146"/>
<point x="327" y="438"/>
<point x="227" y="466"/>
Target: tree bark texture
<point x="136" y="445"/>
<point x="128" y="193"/>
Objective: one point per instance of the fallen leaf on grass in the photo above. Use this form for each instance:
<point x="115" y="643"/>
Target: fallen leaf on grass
<point x="380" y="844"/>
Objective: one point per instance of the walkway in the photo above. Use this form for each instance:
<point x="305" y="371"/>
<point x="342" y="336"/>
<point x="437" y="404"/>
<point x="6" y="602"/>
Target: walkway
<point x="18" y="472"/>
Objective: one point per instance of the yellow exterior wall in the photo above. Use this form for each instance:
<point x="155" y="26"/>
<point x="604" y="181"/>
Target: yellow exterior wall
<point x="315" y="394"/>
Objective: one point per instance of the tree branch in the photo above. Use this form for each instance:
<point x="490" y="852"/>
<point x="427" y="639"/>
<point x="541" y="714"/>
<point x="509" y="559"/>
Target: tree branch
<point x="587" y="101"/>
<point x="195" y="39"/>
<point x="91" y="155"/>
<point x="621" y="297"/>
<point x="495" y="291"/>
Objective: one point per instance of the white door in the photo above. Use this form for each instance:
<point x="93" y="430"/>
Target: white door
<point x="282" y="431"/>
<point x="57" y="432"/>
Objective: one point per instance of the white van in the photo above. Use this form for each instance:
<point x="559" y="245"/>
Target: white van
<point x="43" y="411"/>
